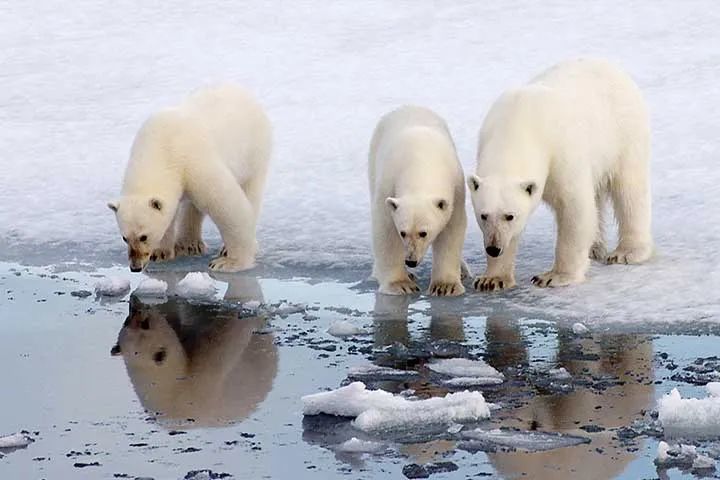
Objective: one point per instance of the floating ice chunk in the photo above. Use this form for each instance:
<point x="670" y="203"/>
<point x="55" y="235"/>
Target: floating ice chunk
<point x="355" y="445"/>
<point x="713" y="389"/>
<point x="459" y="382"/>
<point x="703" y="462"/>
<point x="579" y="329"/>
<point x="682" y="456"/>
<point x="251" y="305"/>
<point x="16" y="440"/>
<point x="380" y="410"/>
<point x="462" y="367"/>
<point x="112" y="287"/>
<point x="151" y="287"/>
<point x="662" y="453"/>
<point x="377" y="373"/>
<point x="559" y="373"/>
<point x="689" y="417"/>
<point x="532" y="441"/>
<point x="343" y="328"/>
<point x="196" y="285"/>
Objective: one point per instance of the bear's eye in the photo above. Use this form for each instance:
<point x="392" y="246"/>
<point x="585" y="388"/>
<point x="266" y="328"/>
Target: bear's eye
<point x="402" y="234"/>
<point x="483" y="216"/>
<point x="509" y="218"/>
<point x="143" y="238"/>
<point x="124" y="239"/>
<point x="422" y="234"/>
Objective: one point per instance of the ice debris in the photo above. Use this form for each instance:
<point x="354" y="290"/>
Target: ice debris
<point x="343" y="328"/>
<point x="682" y="456"/>
<point x="16" y="440"/>
<point x="112" y="287"/>
<point x="464" y="368"/>
<point x="579" y="329"/>
<point x="355" y="445"/>
<point x="690" y="417"/>
<point x="196" y="285"/>
<point x="152" y="288"/>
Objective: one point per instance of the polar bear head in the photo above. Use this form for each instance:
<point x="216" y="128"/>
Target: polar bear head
<point x="143" y="221"/>
<point x="418" y="220"/>
<point x="502" y="207"/>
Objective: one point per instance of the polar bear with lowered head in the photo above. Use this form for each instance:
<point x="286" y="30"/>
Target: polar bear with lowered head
<point x="417" y="200"/>
<point x="573" y="137"/>
<point x="207" y="156"/>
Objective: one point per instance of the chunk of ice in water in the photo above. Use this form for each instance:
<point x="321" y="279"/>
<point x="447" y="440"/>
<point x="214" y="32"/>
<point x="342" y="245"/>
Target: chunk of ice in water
<point x="532" y="441"/>
<point x="579" y="329"/>
<point x="152" y="288"/>
<point x="112" y="287"/>
<point x="196" y="285"/>
<point x="343" y="328"/>
<point x="16" y="440"/>
<point x="460" y="382"/>
<point x="355" y="445"/>
<point x="463" y="367"/>
<point x="689" y="417"/>
<point x="713" y="389"/>
<point x="559" y="373"/>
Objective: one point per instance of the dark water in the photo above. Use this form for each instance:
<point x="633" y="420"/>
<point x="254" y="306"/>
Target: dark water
<point x="133" y="388"/>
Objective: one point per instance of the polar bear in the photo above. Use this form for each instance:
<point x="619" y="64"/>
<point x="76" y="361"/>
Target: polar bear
<point x="417" y="200"/>
<point x="575" y="136"/>
<point x="207" y="156"/>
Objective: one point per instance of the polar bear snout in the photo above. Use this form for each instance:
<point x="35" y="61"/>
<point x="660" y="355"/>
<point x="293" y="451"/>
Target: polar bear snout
<point x="493" y="251"/>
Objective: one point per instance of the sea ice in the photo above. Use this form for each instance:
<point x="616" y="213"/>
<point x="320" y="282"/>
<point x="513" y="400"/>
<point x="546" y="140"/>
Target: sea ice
<point x="713" y="389"/>
<point x="151" y="287"/>
<point x="462" y="367"/>
<point x="579" y="329"/>
<point x="16" y="440"/>
<point x="690" y="417"/>
<point x="112" y="287"/>
<point x="343" y="328"/>
<point x="355" y="445"/>
<point x="533" y="441"/>
<point x="196" y="285"/>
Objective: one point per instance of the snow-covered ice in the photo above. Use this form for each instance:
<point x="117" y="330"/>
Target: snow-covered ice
<point x="464" y="368"/>
<point x="79" y="80"/>
<point x="112" y="287"/>
<point x="16" y="440"/>
<point x="151" y="287"/>
<point x="380" y="410"/>
<point x="196" y="285"/>
<point x="343" y="328"/>
<point x="377" y="373"/>
<point x="464" y="382"/>
<point x="713" y="389"/>
<point x="682" y="456"/>
<point x="355" y="445"/>
<point x="533" y="441"/>
<point x="689" y="417"/>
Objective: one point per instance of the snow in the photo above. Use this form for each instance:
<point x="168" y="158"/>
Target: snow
<point x="16" y="440"/>
<point x="713" y="389"/>
<point x="355" y="445"/>
<point x="151" y="287"/>
<point x="343" y="328"/>
<point x="380" y="410"/>
<point x="464" y="368"/>
<point x="689" y="417"/>
<point x="112" y="287"/>
<point x="579" y="329"/>
<point x="79" y="79"/>
<point x="196" y="285"/>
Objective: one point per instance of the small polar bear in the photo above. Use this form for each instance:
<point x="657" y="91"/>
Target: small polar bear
<point x="417" y="199"/>
<point x="207" y="156"/>
<point x="574" y="136"/>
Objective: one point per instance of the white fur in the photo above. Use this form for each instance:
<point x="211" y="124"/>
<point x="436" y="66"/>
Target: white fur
<point x="207" y="156"/>
<point x="574" y="136"/>
<point x="416" y="185"/>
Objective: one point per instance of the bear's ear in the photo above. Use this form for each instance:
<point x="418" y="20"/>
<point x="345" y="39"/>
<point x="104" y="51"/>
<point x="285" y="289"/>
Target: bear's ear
<point x="442" y="204"/>
<point x="113" y="206"/>
<point x="529" y="187"/>
<point x="156" y="204"/>
<point x="473" y="182"/>
<point x="392" y="203"/>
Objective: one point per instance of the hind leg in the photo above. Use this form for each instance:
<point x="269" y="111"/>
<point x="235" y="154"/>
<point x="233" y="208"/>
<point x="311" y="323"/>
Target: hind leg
<point x="630" y="190"/>
<point x="189" y="231"/>
<point x="598" y="251"/>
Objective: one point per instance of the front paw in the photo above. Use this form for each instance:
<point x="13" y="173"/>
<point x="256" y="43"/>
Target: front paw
<point x="445" y="289"/>
<point x="162" y="254"/>
<point x="230" y="264"/>
<point x="190" y="248"/>
<point x="553" y="279"/>
<point x="400" y="287"/>
<point x="598" y="252"/>
<point x="629" y="256"/>
<point x="489" y="283"/>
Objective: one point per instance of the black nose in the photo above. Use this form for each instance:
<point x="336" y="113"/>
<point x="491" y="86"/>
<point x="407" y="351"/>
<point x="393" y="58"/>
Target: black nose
<point x="136" y="269"/>
<point x="493" y="251"/>
<point x="411" y="263"/>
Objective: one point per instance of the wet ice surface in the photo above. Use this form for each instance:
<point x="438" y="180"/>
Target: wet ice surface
<point x="166" y="390"/>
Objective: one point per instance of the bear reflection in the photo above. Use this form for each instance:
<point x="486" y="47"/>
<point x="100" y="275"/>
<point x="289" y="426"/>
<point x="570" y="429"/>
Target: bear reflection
<point x="196" y="365"/>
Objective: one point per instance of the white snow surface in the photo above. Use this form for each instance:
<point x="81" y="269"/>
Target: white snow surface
<point x="463" y="367"/>
<point x="16" y="440"/>
<point x="689" y="417"/>
<point x="379" y="410"/>
<point x="79" y="78"/>
<point x="112" y="286"/>
<point x="196" y="285"/>
<point x="151" y="287"/>
<point x="343" y="328"/>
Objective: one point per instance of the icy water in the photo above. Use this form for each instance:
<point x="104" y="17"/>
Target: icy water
<point x="164" y="388"/>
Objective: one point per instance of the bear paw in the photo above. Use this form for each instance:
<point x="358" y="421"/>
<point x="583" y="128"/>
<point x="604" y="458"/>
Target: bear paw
<point x="162" y="254"/>
<point x="553" y="279"/>
<point x="629" y="256"/>
<point x="598" y="252"/>
<point x="229" y="264"/>
<point x="190" y="248"/>
<point x="487" y="283"/>
<point x="445" y="289"/>
<point x="400" y="287"/>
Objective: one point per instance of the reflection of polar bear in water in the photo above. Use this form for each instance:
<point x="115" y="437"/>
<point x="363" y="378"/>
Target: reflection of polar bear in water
<point x="197" y="362"/>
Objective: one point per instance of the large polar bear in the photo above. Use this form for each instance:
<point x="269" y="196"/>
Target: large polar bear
<point x="574" y="136"/>
<point x="417" y="200"/>
<point x="207" y="156"/>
